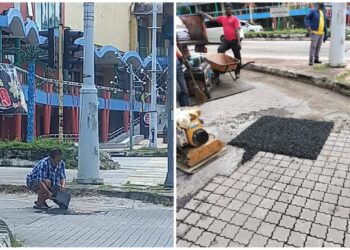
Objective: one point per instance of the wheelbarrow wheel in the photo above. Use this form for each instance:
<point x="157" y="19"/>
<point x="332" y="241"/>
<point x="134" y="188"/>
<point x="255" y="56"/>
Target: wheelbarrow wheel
<point x="216" y="78"/>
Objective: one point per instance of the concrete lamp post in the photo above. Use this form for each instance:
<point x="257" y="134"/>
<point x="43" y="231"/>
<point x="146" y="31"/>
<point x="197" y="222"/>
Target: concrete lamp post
<point x="88" y="163"/>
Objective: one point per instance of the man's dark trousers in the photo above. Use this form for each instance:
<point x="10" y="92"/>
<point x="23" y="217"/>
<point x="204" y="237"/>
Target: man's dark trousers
<point x="226" y="45"/>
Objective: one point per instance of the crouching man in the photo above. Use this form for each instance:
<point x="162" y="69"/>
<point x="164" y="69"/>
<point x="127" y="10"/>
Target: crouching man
<point x="47" y="178"/>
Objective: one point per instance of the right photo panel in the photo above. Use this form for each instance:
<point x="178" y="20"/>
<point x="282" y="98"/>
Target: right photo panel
<point x="262" y="124"/>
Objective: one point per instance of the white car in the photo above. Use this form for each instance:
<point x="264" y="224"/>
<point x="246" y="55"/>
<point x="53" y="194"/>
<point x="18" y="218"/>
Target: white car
<point x="250" y="27"/>
<point x="216" y="33"/>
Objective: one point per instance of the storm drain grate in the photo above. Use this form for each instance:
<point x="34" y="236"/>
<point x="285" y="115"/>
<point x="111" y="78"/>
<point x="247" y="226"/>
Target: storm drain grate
<point x="287" y="136"/>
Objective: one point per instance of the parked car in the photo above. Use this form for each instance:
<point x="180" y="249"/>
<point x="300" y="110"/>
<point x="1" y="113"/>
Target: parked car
<point x="250" y="27"/>
<point x="216" y="33"/>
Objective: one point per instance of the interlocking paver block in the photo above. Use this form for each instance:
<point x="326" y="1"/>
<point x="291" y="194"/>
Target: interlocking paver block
<point x="262" y="191"/>
<point x="193" y="234"/>
<point x="280" y="207"/>
<point x="239" y="219"/>
<point x="217" y="226"/>
<point x="279" y="186"/>
<point x="296" y="182"/>
<point x="235" y="205"/>
<point x="345" y="192"/>
<point x="220" y="242"/>
<point x="287" y="222"/>
<point x="313" y="242"/>
<point x="247" y="209"/>
<point x="266" y="229"/>
<point x="285" y="197"/>
<point x="205" y="222"/>
<point x="203" y="208"/>
<point x="312" y="177"/>
<point x="304" y="192"/>
<point x="257" y="180"/>
<point x="318" y="231"/>
<point x="235" y="244"/>
<point x="300" y="174"/>
<point x="293" y="211"/>
<point x="302" y="226"/>
<point x="325" y="179"/>
<point x="226" y="215"/>
<point x="323" y="219"/>
<point x="258" y="241"/>
<point x="297" y="239"/>
<point x="255" y="199"/>
<point x="252" y="224"/>
<point x="330" y="244"/>
<point x="206" y="239"/>
<point x="211" y="187"/>
<point x="281" y="234"/>
<point x="273" y="194"/>
<point x="339" y="223"/>
<point x="229" y="182"/>
<point x="243" y="236"/>
<point x="213" y="198"/>
<point x="342" y="212"/>
<point x="273" y="217"/>
<point x="223" y="201"/>
<point x="299" y="201"/>
<point x="335" y="236"/>
<point x="193" y="204"/>
<point x="308" y="184"/>
<point x="337" y="181"/>
<point x="182" y="214"/>
<point x="330" y="198"/>
<point x="215" y="211"/>
<point x="285" y="179"/>
<point x="344" y="201"/>
<point x="317" y="195"/>
<point x="221" y="190"/>
<point x="347" y="240"/>
<point x="243" y="196"/>
<point x="260" y="213"/>
<point x="193" y="218"/>
<point x="267" y="203"/>
<point x="274" y="243"/>
<point x="202" y="195"/>
<point x="291" y="189"/>
<point x="308" y="214"/>
<point x="231" y="192"/>
<point x="327" y="208"/>
<point x="268" y="183"/>
<point x="182" y="229"/>
<point x="183" y="243"/>
<point x="321" y="187"/>
<point x="312" y="204"/>
<point x="230" y="231"/>
<point x="239" y="185"/>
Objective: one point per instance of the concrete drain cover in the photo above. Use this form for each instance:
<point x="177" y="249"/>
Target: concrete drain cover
<point x="287" y="136"/>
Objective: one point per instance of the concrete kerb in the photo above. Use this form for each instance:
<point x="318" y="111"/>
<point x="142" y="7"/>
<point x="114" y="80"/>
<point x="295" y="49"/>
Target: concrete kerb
<point x="320" y="81"/>
<point x="6" y="237"/>
<point x="164" y="198"/>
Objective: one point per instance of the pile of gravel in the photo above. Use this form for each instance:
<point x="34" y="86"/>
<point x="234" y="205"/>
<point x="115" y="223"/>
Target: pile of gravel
<point x="287" y="136"/>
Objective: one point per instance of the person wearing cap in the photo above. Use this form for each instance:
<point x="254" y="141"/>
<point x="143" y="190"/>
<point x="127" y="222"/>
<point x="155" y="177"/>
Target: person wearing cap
<point x="231" y="26"/>
<point x="47" y="177"/>
<point x="316" y="23"/>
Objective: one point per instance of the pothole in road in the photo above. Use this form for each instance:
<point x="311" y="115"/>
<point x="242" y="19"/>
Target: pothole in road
<point x="287" y="136"/>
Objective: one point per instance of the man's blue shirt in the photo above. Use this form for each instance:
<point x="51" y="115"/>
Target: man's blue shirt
<point x="44" y="170"/>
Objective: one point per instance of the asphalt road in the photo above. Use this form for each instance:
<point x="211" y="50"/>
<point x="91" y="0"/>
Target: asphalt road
<point x="281" y="49"/>
<point x="94" y="221"/>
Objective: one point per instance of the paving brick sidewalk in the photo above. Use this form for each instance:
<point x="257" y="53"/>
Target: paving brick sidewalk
<point x="95" y="221"/>
<point x="275" y="201"/>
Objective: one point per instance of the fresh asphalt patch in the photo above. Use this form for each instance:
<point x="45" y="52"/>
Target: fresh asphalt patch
<point x="286" y="136"/>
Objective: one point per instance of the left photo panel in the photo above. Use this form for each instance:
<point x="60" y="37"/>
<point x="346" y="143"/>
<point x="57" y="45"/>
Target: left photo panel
<point x="86" y="124"/>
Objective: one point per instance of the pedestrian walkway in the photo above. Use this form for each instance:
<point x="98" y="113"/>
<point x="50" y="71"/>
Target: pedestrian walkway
<point x="93" y="221"/>
<point x="274" y="201"/>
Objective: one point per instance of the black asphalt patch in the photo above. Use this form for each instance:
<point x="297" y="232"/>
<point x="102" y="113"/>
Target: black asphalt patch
<point x="286" y="136"/>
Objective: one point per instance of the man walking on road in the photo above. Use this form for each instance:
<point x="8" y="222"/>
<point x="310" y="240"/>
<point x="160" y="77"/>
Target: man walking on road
<point x="47" y="177"/>
<point x="316" y="23"/>
<point x="231" y="26"/>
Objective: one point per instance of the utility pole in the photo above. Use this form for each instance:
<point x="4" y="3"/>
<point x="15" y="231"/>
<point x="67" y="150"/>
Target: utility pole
<point x="153" y="132"/>
<point x="337" y="47"/>
<point x="131" y="105"/>
<point x="60" y="81"/>
<point x="88" y="162"/>
<point x="169" y="181"/>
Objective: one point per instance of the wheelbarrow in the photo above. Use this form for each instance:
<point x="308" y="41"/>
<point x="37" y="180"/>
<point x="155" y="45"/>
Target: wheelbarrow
<point x="221" y="64"/>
